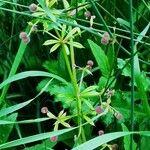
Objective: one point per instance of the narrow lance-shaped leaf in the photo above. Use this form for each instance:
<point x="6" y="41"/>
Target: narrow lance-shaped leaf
<point x="101" y="58"/>
<point x="49" y="42"/>
<point x="54" y="47"/>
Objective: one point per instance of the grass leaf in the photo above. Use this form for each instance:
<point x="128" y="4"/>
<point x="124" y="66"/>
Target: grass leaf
<point x="26" y="74"/>
<point x="100" y="140"/>
<point x="34" y="138"/>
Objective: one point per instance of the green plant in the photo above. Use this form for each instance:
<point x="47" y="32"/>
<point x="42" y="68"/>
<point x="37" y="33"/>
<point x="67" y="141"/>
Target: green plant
<point x="87" y="69"/>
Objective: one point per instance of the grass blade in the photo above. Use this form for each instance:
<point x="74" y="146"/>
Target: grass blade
<point x="14" y="67"/>
<point x="34" y="138"/>
<point x="26" y="74"/>
<point x="100" y="140"/>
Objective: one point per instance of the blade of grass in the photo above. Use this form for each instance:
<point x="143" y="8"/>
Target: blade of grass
<point x="34" y="138"/>
<point x="100" y="140"/>
<point x="14" y="67"/>
<point x="4" y="122"/>
<point x="137" y="71"/>
<point x="26" y="74"/>
<point x="6" y="111"/>
<point x="13" y="3"/>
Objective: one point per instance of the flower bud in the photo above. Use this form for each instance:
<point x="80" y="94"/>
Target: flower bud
<point x="118" y="115"/>
<point x="105" y="38"/>
<point x="34" y="28"/>
<point x="33" y="7"/>
<point x="26" y="40"/>
<point x="109" y="93"/>
<point x="99" y="110"/>
<point x="87" y="14"/>
<point x="106" y="35"/>
<point x="100" y="132"/>
<point x="44" y="110"/>
<point x="90" y="63"/>
<point x="23" y="35"/>
<point x="54" y="138"/>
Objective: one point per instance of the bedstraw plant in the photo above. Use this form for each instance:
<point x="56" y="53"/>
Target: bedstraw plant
<point x="96" y="84"/>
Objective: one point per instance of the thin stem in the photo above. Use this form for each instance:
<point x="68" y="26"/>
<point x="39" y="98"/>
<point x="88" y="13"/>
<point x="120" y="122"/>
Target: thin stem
<point x="16" y="4"/>
<point x="67" y="62"/>
<point x="81" y="80"/>
<point x="77" y="93"/>
<point x="132" y="72"/>
<point x="74" y="82"/>
<point x="76" y="9"/>
<point x="100" y="17"/>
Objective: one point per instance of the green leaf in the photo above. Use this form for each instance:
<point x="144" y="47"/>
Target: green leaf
<point x="63" y="94"/>
<point x="47" y="10"/>
<point x="71" y="33"/>
<point x="51" y="3"/>
<point x="123" y="22"/>
<point x="111" y="56"/>
<point x="89" y="120"/>
<point x="3" y="122"/>
<point x="142" y="34"/>
<point x="49" y="42"/>
<point x="139" y="14"/>
<point x="34" y="138"/>
<point x="90" y="88"/>
<point x="6" y="111"/>
<point x="138" y="77"/>
<point x="77" y="45"/>
<point x="127" y="139"/>
<point x="15" y="66"/>
<point x="145" y="125"/>
<point x="11" y="109"/>
<point x="103" y="81"/>
<point x="45" y="145"/>
<point x="5" y="130"/>
<point x="66" y="4"/>
<point x="50" y="115"/>
<point x="54" y="47"/>
<point x="89" y="94"/>
<point x="127" y="70"/>
<point x="26" y="74"/>
<point x="66" y="49"/>
<point x="101" y="58"/>
<point x="100" y="140"/>
<point x="88" y="104"/>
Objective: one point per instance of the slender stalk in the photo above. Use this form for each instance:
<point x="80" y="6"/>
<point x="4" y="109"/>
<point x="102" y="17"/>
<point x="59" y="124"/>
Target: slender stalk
<point x="72" y="73"/>
<point x="77" y="94"/>
<point x="132" y="72"/>
<point x="76" y="9"/>
<point x="67" y="62"/>
<point x="16" y="4"/>
<point x="100" y="16"/>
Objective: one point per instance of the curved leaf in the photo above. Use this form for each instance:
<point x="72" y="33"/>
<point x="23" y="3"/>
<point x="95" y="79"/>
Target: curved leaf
<point x="26" y="74"/>
<point x="100" y="140"/>
<point x="34" y="138"/>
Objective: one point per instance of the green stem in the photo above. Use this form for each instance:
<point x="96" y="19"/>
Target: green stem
<point x="67" y="62"/>
<point x="132" y="72"/>
<point x="100" y="16"/>
<point x="81" y="79"/>
<point x="77" y="93"/>
<point x="72" y="74"/>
